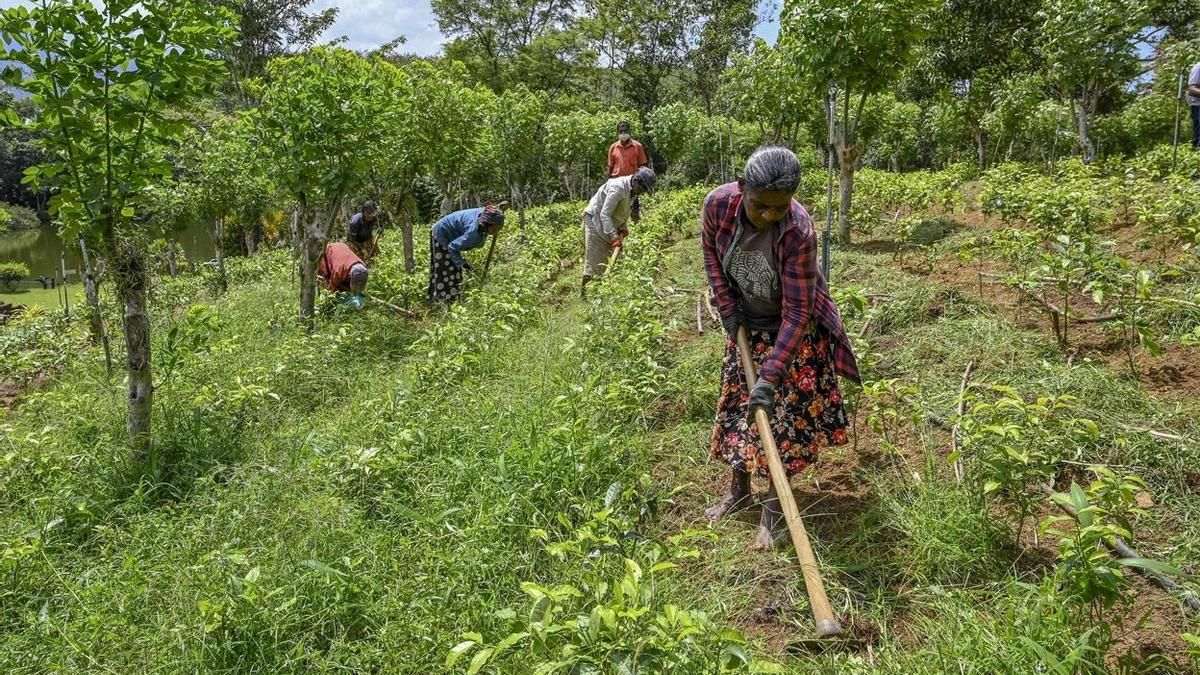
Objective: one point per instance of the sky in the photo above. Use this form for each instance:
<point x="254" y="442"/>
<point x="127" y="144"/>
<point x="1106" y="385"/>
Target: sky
<point x="370" y="23"/>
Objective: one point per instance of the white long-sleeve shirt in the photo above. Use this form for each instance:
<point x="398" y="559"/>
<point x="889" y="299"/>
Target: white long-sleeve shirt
<point x="611" y="206"/>
<point x="1194" y="79"/>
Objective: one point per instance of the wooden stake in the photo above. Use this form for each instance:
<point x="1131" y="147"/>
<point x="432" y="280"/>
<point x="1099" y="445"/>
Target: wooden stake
<point x="962" y="409"/>
<point x="827" y="625"/>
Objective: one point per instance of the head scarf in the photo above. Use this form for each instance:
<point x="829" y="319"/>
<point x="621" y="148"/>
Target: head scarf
<point x="492" y="215"/>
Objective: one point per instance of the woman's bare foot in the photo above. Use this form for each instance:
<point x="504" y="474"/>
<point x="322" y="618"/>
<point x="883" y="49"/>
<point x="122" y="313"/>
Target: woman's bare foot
<point x="738" y="497"/>
<point x="771" y="525"/>
<point x="731" y="503"/>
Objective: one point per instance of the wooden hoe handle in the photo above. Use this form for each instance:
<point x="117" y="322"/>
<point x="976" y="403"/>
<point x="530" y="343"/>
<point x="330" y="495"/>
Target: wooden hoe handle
<point x="827" y="625"/>
<point x="612" y="260"/>
<point x="488" y="263"/>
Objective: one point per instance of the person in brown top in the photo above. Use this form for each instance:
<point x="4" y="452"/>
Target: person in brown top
<point x="625" y="157"/>
<point x="341" y="270"/>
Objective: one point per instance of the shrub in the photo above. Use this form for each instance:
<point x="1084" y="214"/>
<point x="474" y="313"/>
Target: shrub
<point x="18" y="217"/>
<point x="12" y="273"/>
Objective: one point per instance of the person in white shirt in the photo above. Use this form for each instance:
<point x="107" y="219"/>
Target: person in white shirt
<point x="1193" y="99"/>
<point x="606" y="220"/>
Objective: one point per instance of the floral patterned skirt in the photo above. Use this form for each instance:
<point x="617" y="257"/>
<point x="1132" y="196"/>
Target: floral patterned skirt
<point x="808" y="406"/>
<point x="445" y="278"/>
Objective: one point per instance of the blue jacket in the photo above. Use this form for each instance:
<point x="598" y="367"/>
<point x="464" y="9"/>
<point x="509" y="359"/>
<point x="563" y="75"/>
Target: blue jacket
<point x="460" y="231"/>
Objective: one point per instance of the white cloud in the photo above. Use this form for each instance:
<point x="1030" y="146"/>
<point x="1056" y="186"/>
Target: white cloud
<point x="370" y="23"/>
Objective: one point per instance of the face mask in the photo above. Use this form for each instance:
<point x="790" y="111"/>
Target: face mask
<point x="624" y="137"/>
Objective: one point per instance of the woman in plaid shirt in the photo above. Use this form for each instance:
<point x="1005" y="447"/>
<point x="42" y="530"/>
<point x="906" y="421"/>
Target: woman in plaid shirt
<point x="760" y="252"/>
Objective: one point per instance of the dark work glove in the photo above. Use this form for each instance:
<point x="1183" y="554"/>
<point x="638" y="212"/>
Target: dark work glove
<point x="731" y="324"/>
<point x="763" y="396"/>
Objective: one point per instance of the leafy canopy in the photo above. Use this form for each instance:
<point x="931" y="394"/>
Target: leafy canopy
<point x="111" y="80"/>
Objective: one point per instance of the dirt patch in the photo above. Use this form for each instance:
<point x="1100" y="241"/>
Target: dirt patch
<point x="12" y="390"/>
<point x="1174" y="376"/>
<point x="1146" y="633"/>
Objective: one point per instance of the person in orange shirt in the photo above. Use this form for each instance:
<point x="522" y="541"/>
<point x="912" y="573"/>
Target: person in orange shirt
<point x="625" y="157"/>
<point x="341" y="270"/>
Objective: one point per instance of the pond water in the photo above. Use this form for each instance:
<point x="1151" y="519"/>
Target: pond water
<point x="41" y="248"/>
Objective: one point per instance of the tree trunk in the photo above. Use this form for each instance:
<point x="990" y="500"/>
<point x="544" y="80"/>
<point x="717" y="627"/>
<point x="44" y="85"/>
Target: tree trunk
<point x="314" y="248"/>
<point x="447" y="205"/>
<point x="91" y="289"/>
<point x="404" y="217"/>
<point x="132" y="282"/>
<point x="981" y="149"/>
<point x="254" y="237"/>
<point x="518" y="200"/>
<point x="218" y="234"/>
<point x="172" y="260"/>
<point x="1085" y="136"/>
<point x="847" y="157"/>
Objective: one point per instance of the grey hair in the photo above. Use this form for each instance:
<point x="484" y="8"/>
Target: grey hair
<point x="358" y="278"/>
<point x="772" y="168"/>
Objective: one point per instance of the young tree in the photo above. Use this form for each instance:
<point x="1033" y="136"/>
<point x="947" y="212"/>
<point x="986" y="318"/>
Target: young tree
<point x="674" y="128"/>
<point x="516" y="138"/>
<point x="1088" y="48"/>
<point x="267" y="29"/>
<point x="492" y="33"/>
<point x="893" y="129"/>
<point x="578" y="144"/>
<point x="229" y="180"/>
<point x="767" y="88"/>
<point x="320" y="122"/>
<point x="448" y="123"/>
<point x="110" y="78"/>
<point x="723" y="30"/>
<point x="398" y="159"/>
<point x="859" y="47"/>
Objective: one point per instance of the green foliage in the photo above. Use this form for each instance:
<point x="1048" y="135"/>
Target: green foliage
<point x="760" y="88"/>
<point x="17" y="218"/>
<point x="1013" y="446"/>
<point x="447" y="120"/>
<point x="1086" y="574"/>
<point x="1088" y="48"/>
<point x="12" y="274"/>
<point x="866" y="46"/>
<point x="578" y="145"/>
<point x="103" y="118"/>
<point x="318" y="122"/>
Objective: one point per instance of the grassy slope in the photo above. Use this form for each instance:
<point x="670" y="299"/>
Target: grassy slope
<point x="363" y="519"/>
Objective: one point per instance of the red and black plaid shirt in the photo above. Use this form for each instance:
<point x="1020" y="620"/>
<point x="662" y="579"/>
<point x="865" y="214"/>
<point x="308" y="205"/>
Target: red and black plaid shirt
<point x="805" y="294"/>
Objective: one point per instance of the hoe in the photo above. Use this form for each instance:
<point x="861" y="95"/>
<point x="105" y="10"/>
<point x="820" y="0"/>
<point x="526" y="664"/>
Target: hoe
<point x="827" y="625"/>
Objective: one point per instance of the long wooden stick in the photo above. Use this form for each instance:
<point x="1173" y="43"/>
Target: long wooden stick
<point x="487" y="264"/>
<point x="827" y="625"/>
<point x="394" y="308"/>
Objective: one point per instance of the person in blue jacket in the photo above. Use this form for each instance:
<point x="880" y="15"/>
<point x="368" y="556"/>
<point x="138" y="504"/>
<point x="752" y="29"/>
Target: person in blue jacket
<point x="457" y="232"/>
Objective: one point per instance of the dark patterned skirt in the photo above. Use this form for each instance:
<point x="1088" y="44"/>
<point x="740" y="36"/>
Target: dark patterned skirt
<point x="808" y="407"/>
<point x="445" y="278"/>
